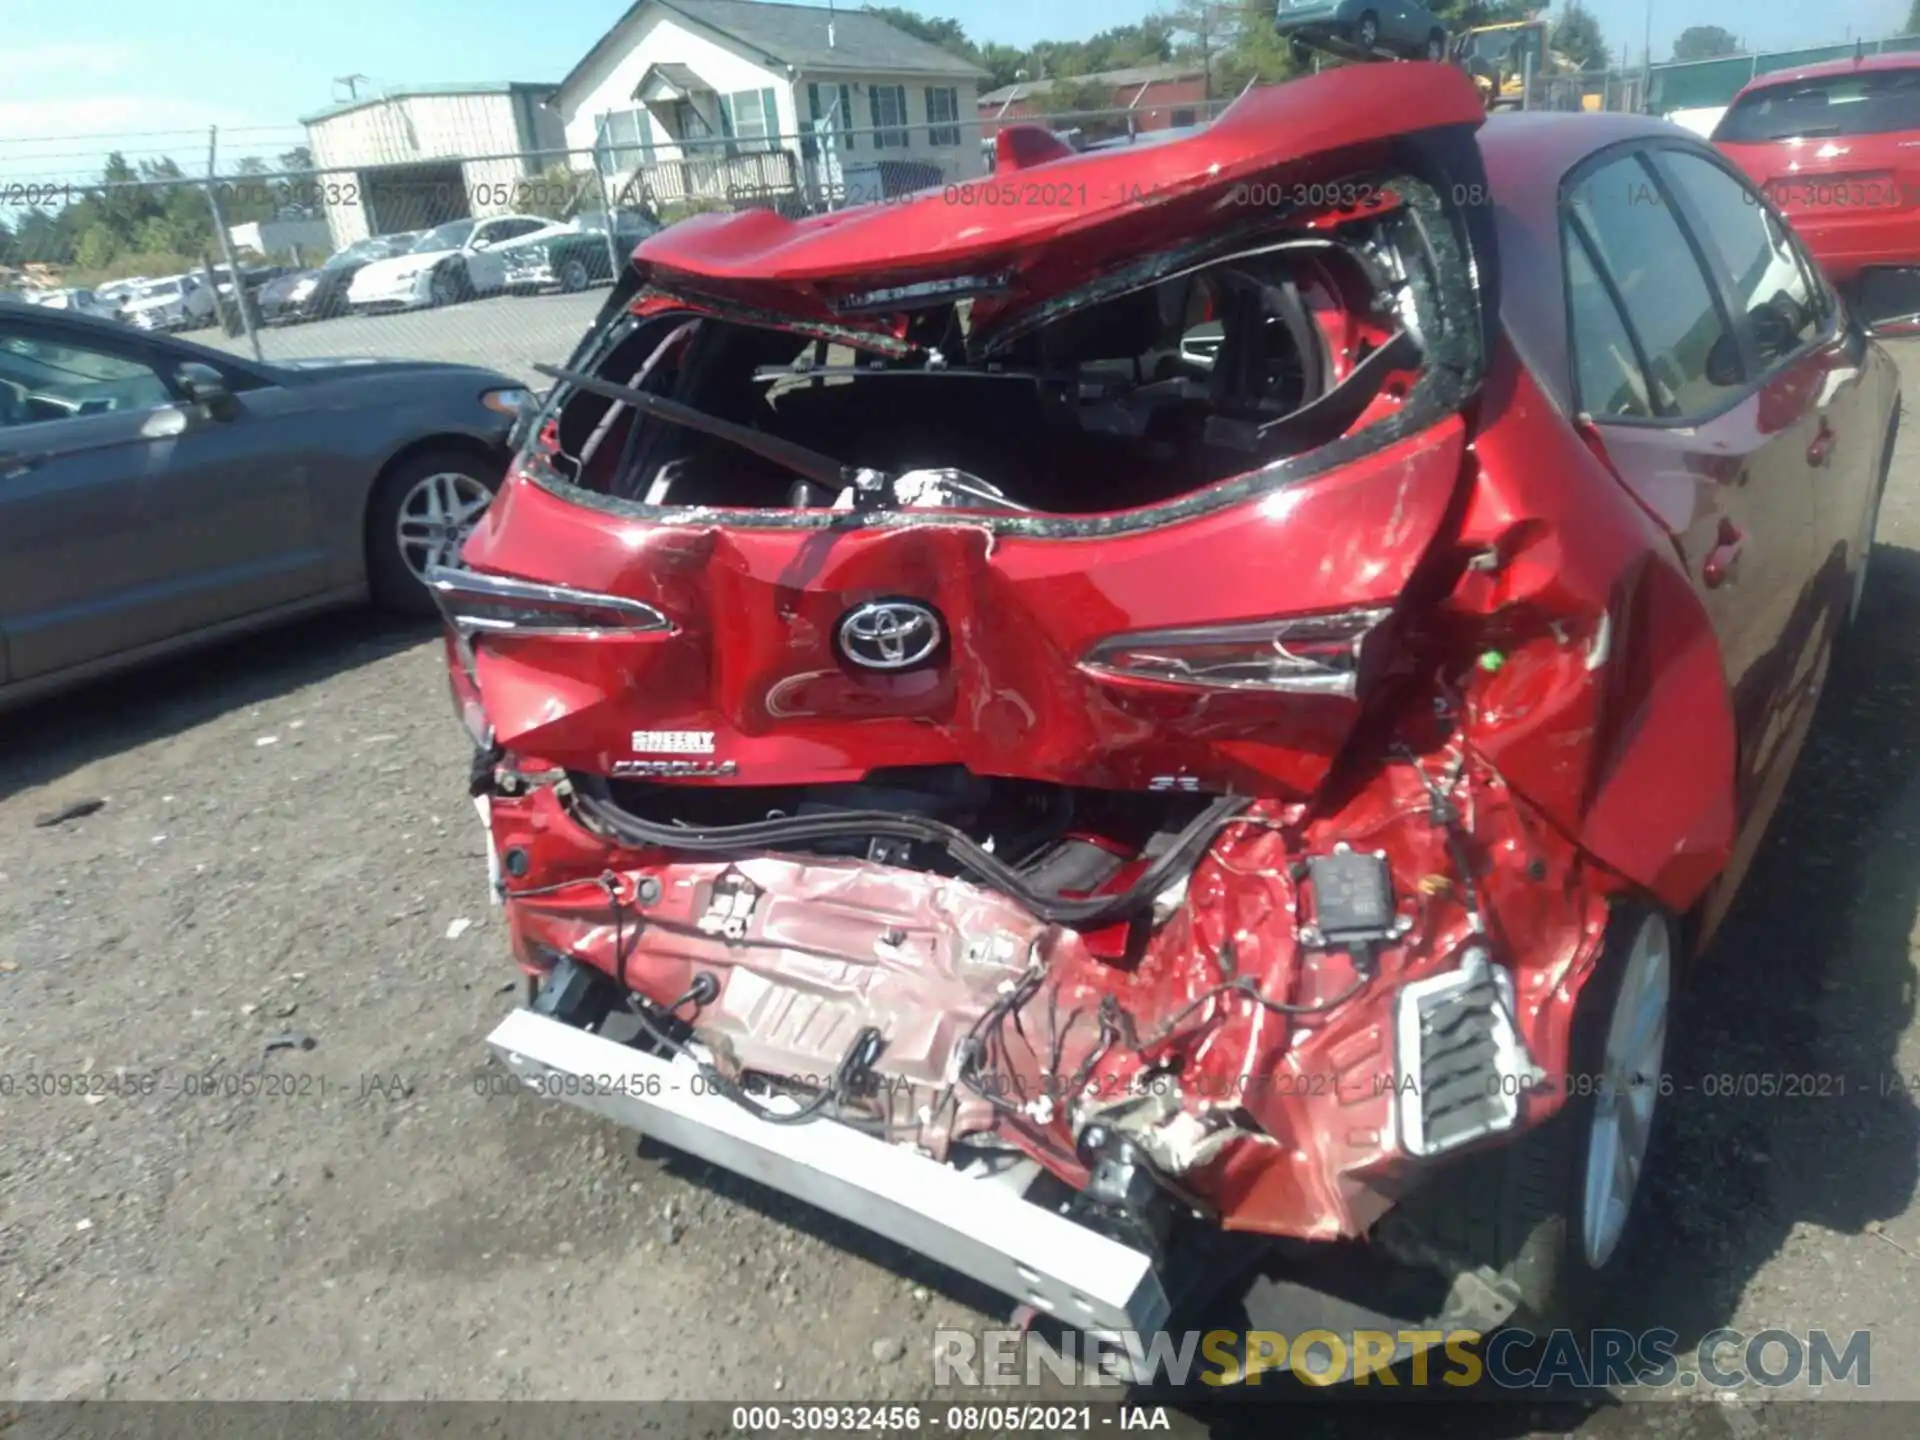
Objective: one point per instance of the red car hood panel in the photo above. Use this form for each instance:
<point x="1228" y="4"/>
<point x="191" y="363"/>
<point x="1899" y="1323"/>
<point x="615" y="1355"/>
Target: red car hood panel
<point x="756" y="610"/>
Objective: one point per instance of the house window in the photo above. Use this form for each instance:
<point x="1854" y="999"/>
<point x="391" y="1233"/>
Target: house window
<point x="750" y="121"/>
<point x="889" y="106"/>
<point x="832" y="104"/>
<point x="625" y="139"/>
<point x="943" y="111"/>
<point x="1184" y="118"/>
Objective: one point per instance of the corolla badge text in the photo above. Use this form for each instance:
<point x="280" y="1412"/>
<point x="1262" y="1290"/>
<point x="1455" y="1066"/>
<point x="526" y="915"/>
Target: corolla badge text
<point x="890" y="634"/>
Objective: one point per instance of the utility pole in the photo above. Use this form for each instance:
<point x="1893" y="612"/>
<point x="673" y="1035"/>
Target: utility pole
<point x="226" y="247"/>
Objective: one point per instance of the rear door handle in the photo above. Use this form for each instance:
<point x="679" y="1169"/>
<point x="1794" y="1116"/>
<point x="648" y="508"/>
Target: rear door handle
<point x="1821" y="450"/>
<point x="1724" y="559"/>
<point x="11" y="465"/>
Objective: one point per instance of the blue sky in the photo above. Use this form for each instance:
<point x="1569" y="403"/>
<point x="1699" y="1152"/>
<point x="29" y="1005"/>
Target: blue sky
<point x="75" y="79"/>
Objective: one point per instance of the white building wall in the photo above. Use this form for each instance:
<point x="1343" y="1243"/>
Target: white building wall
<point x="962" y="161"/>
<point x="662" y="38"/>
<point x="422" y="129"/>
<point x="659" y="39"/>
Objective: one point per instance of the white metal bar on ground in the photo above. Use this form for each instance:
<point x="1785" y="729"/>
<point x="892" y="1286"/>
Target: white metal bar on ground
<point x="976" y="1227"/>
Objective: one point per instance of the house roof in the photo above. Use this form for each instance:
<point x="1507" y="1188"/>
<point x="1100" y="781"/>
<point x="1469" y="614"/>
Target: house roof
<point x="402" y="92"/>
<point x="1133" y="76"/>
<point x="794" y="35"/>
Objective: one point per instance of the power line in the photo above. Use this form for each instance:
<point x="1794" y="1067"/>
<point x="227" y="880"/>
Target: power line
<point x="150" y="134"/>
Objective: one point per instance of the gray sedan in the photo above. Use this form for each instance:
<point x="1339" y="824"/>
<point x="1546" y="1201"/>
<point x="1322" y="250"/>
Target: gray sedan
<point x="155" y="493"/>
<point x="1364" y="28"/>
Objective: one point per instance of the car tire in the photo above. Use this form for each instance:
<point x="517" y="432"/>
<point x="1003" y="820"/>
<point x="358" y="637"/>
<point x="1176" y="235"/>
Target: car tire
<point x="1366" y="34"/>
<point x="422" y="510"/>
<point x="573" y="277"/>
<point x="1524" y="1211"/>
<point x="1437" y="46"/>
<point x="448" y="286"/>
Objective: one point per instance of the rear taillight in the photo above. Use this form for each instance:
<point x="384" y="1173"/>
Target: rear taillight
<point x="1300" y="655"/>
<point x="475" y="603"/>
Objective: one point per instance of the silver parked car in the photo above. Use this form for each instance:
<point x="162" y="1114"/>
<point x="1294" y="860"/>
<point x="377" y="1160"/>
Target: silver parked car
<point x="154" y="492"/>
<point x="1364" y="29"/>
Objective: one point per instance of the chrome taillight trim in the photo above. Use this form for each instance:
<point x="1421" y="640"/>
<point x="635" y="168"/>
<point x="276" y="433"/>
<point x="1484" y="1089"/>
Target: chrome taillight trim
<point x="1353" y="627"/>
<point x="449" y="586"/>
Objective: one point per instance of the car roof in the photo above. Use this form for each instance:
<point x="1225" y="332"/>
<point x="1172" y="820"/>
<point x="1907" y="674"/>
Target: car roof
<point x="1828" y="69"/>
<point x="1528" y="156"/>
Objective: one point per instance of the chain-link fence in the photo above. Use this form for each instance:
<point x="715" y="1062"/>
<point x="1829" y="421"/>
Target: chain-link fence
<point x="427" y="245"/>
<point x="495" y="258"/>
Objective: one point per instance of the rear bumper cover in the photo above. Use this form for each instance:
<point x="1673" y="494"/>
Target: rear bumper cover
<point x="981" y="1226"/>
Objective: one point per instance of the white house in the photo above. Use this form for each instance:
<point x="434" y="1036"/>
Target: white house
<point x="419" y="156"/>
<point x="687" y="99"/>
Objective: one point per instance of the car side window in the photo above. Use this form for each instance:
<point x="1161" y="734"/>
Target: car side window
<point x="1610" y="379"/>
<point x="1624" y="214"/>
<point x="511" y="229"/>
<point x="43" y="379"/>
<point x="1773" y="301"/>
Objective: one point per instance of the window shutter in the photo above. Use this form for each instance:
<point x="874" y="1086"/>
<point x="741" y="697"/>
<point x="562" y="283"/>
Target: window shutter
<point x="726" y="123"/>
<point x="772" y="110"/>
<point x="846" y="115"/>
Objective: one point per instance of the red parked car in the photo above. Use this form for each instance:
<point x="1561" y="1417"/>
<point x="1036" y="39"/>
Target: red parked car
<point x="1836" y="147"/>
<point x="1209" y="689"/>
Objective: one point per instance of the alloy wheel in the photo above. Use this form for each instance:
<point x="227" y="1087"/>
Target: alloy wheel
<point x="436" y="517"/>
<point x="1628" y="1088"/>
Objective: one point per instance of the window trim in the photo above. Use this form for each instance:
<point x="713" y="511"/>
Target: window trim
<point x="1639" y="149"/>
<point x="943" y="133"/>
<point x="1590" y="250"/>
<point x="895" y="136"/>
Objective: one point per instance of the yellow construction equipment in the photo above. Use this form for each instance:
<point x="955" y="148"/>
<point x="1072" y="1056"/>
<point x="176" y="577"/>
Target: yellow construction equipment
<point x="1502" y="58"/>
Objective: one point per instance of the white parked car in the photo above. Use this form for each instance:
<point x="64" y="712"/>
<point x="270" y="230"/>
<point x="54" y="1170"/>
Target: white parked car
<point x="450" y="263"/>
<point x="116" y="293"/>
<point x="84" y="302"/>
<point x="179" y="302"/>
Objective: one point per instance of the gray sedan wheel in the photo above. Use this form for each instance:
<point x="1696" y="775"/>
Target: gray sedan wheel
<point x="1368" y="32"/>
<point x="422" y="513"/>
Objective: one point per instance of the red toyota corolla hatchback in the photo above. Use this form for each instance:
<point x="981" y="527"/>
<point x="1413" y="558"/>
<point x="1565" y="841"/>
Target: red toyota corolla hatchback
<point x="1210" y="687"/>
<point x="1837" y="148"/>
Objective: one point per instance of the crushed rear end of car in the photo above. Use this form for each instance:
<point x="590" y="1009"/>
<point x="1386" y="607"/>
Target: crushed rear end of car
<point x="1080" y="709"/>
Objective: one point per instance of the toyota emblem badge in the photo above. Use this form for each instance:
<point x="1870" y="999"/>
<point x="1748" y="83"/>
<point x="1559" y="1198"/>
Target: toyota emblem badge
<point x="890" y="634"/>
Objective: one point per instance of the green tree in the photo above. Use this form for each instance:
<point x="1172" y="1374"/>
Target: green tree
<point x="1003" y="62"/>
<point x="1913" y="20"/>
<point x="1234" y="40"/>
<point x="1706" y="42"/>
<point x="1458" y="15"/>
<point x="39" y="239"/>
<point x="96" y="248"/>
<point x="1576" y="35"/>
<point x="949" y="35"/>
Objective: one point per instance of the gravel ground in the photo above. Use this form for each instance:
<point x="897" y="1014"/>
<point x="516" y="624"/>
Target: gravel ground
<point x="508" y="333"/>
<point x="286" y="849"/>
